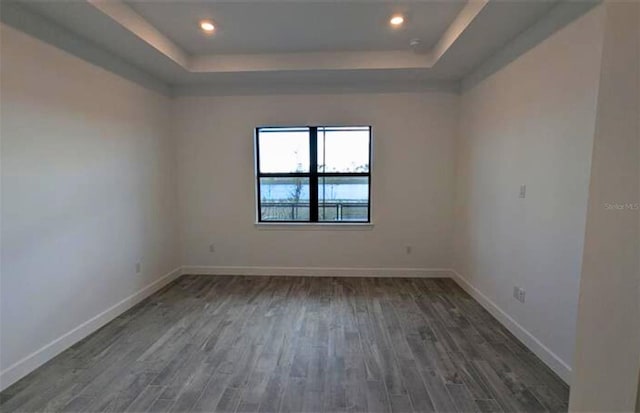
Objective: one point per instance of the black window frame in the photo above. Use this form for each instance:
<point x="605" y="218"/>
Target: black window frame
<point x="313" y="175"/>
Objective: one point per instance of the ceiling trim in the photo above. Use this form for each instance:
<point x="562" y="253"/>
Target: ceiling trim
<point x="398" y="59"/>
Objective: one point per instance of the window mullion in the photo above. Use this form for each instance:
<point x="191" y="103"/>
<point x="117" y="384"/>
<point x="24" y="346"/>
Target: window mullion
<point x="313" y="171"/>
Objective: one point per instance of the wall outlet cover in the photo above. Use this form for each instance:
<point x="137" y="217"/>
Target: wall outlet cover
<point x="523" y="191"/>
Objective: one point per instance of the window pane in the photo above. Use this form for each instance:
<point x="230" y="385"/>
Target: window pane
<point x="343" y="198"/>
<point x="284" y="149"/>
<point x="284" y="199"/>
<point x="343" y="149"/>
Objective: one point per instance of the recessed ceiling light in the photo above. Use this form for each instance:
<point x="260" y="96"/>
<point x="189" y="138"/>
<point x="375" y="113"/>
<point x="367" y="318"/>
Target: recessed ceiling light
<point x="207" y="26"/>
<point x="396" y="20"/>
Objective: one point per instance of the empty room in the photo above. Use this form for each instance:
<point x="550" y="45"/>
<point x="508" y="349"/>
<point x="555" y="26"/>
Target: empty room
<point x="319" y="206"/>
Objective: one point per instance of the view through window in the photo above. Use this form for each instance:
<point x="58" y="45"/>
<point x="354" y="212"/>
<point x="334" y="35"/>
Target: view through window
<point x="313" y="174"/>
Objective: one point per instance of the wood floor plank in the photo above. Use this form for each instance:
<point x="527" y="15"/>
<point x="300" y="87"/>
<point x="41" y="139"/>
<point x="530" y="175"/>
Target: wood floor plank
<point x="462" y="398"/>
<point x="295" y="344"/>
<point x="145" y="399"/>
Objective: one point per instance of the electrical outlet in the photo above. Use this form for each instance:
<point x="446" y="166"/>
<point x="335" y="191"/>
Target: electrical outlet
<point x="408" y="249"/>
<point x="523" y="191"/>
<point x="138" y="267"/>
<point x="212" y="248"/>
<point x="519" y="294"/>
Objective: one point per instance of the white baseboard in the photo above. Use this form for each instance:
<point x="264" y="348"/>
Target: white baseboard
<point x="319" y="271"/>
<point x="31" y="362"/>
<point x="559" y="366"/>
<point x="34" y="360"/>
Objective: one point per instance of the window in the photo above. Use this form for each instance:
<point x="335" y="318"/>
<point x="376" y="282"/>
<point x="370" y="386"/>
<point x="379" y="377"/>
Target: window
<point x="313" y="174"/>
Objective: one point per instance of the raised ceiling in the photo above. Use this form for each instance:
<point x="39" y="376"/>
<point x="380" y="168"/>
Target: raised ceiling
<point x="285" y="44"/>
<point x="290" y="27"/>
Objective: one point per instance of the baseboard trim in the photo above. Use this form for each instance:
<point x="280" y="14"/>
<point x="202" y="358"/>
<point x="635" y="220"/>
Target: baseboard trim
<point x="555" y="363"/>
<point x="18" y="370"/>
<point x="319" y="271"/>
<point x="34" y="360"/>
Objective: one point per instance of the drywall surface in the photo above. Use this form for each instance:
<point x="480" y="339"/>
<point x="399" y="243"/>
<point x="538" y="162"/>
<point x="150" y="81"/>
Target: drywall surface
<point x="531" y="123"/>
<point x="608" y="336"/>
<point x="88" y="191"/>
<point x="412" y="180"/>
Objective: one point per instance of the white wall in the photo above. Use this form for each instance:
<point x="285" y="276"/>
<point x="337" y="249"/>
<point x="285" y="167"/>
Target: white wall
<point x="412" y="179"/>
<point x="88" y="189"/>
<point x="531" y="123"/>
<point x="608" y="337"/>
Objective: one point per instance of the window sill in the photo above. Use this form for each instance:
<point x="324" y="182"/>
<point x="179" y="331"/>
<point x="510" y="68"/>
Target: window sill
<point x="314" y="226"/>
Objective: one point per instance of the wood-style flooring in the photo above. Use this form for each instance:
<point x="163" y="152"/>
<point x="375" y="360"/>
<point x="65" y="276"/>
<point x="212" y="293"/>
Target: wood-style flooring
<point x="288" y="344"/>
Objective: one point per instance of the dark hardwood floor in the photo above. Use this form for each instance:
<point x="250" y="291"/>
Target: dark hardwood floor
<point x="271" y="344"/>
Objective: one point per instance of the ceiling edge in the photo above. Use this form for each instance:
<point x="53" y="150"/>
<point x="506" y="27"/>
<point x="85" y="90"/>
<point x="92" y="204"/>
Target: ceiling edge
<point x="49" y="32"/>
<point x="20" y="18"/>
<point x="558" y="17"/>
<point x="130" y="20"/>
<point x="444" y="86"/>
<point x="43" y="29"/>
<point x="126" y="17"/>
<point x="312" y="61"/>
<point x="464" y="18"/>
